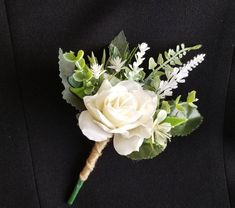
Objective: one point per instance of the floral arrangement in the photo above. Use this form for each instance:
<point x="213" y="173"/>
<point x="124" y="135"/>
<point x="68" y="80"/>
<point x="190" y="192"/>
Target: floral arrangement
<point x="120" y="101"/>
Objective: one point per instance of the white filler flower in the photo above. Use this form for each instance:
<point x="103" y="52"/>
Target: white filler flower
<point x="124" y="111"/>
<point x="161" y="129"/>
<point x="97" y="70"/>
<point x="117" y="64"/>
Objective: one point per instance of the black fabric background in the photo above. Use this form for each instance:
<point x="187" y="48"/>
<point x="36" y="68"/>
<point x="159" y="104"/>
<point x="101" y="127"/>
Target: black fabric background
<point x="41" y="148"/>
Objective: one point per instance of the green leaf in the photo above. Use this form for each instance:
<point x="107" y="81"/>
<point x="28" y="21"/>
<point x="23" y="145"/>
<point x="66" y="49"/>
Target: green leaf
<point x="80" y="55"/>
<point x="168" y="70"/>
<point x="130" y="56"/>
<point x="69" y="56"/>
<point x="89" y="90"/>
<point x="196" y="47"/>
<point x="166" y="55"/>
<point x="78" y="91"/>
<point x="165" y="106"/>
<point x="155" y="82"/>
<point x="177" y="61"/>
<point x="175" y="121"/>
<point x="80" y="64"/>
<point x="191" y="96"/>
<point x="66" y="69"/>
<point x="119" y="44"/>
<point x="194" y="119"/>
<point x="103" y="57"/>
<point x="92" y="58"/>
<point x="152" y="63"/>
<point x="146" y="151"/>
<point x="177" y="100"/>
<point x="160" y="60"/>
<point x="114" y="52"/>
<point x="78" y="76"/>
<point x="180" y="107"/>
<point x="73" y="82"/>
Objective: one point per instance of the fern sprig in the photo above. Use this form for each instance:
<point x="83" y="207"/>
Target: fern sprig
<point x="173" y="57"/>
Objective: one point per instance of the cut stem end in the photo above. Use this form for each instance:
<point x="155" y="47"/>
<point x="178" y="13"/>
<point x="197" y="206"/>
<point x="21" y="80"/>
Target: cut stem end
<point x="75" y="192"/>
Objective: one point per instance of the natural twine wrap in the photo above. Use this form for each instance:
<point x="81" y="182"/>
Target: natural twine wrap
<point x="96" y="152"/>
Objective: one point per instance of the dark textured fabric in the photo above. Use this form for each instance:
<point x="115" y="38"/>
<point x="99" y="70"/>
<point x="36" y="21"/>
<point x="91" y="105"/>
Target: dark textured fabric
<point x="42" y="150"/>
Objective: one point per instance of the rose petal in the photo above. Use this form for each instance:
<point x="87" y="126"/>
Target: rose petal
<point x="144" y="131"/>
<point x="130" y="85"/>
<point x="91" y="130"/>
<point x="104" y="86"/>
<point x="125" y="146"/>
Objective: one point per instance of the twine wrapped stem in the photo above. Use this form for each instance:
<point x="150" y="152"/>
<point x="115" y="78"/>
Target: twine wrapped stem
<point x="96" y="152"/>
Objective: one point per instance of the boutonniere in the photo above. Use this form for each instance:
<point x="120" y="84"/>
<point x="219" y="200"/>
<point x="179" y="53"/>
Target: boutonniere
<point x="120" y="102"/>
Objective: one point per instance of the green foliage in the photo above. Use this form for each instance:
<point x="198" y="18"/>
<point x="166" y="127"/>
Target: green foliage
<point x="169" y="59"/>
<point x="131" y="55"/>
<point x="152" y="63"/>
<point x="78" y="91"/>
<point x="192" y="98"/>
<point x="134" y="75"/>
<point x="166" y="106"/>
<point x="153" y="81"/>
<point x="73" y="83"/>
<point x="175" y="121"/>
<point x="148" y="150"/>
<point x="192" y="117"/>
<point x="70" y="57"/>
<point x="81" y="81"/>
<point x="103" y="60"/>
<point x="82" y="75"/>
<point x="92" y="58"/>
<point x="179" y="106"/>
<point x="66" y="69"/>
<point x="119" y="46"/>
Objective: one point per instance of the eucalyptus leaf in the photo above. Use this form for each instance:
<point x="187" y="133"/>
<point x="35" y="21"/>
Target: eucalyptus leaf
<point x="80" y="55"/>
<point x="80" y="64"/>
<point x="70" y="57"/>
<point x="66" y="69"/>
<point x="73" y="82"/>
<point x="78" y="91"/>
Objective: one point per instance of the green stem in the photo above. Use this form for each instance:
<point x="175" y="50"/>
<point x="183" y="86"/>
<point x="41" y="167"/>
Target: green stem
<point x="75" y="192"/>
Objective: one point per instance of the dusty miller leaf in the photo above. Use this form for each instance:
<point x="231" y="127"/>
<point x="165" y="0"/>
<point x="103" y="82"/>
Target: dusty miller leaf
<point x="160" y="60"/>
<point x="152" y="63"/>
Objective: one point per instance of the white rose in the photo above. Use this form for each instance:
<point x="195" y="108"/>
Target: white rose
<point x="124" y="111"/>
